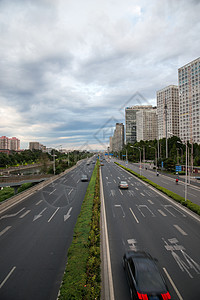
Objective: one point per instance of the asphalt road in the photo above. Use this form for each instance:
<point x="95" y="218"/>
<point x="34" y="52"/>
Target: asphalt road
<point x="142" y="219"/>
<point x="35" y="236"/>
<point x="168" y="181"/>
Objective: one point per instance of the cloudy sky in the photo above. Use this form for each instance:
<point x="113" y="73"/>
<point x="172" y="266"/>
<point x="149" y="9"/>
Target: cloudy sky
<point x="68" y="68"/>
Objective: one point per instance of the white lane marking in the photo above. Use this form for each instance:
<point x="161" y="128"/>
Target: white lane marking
<point x="53" y="214"/>
<point x="114" y="181"/>
<point x="9" y="274"/>
<point x="39" y="215"/>
<point x="52" y="192"/>
<point x="67" y="216"/>
<point x="134" y="215"/>
<point x="132" y="184"/>
<point x="78" y="181"/>
<point x="112" y="193"/>
<point x="142" y="194"/>
<point x="192" y="194"/>
<point x="165" y="206"/>
<point x="119" y="205"/>
<point x="4" y="230"/>
<point x="136" y="189"/>
<point x="162" y="213"/>
<point x="144" y="206"/>
<point x="121" y="192"/>
<point x="118" y="177"/>
<point x="180" y="230"/>
<point x="165" y="182"/>
<point x="38" y="202"/>
<point x="24" y="214"/>
<point x="173" y="285"/>
<point x="12" y="215"/>
<point x="70" y="191"/>
<point x="151" y="202"/>
<point x="132" y="244"/>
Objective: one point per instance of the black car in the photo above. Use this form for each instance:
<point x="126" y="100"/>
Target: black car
<point x="144" y="277"/>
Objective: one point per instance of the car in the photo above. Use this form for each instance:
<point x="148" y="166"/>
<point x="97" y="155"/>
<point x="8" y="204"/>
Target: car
<point x="144" y="278"/>
<point x="88" y="164"/>
<point x="102" y="164"/>
<point x="123" y="185"/>
<point x="84" y="177"/>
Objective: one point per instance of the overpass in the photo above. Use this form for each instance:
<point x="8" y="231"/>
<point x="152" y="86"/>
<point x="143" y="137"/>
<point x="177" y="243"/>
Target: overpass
<point x="18" y="180"/>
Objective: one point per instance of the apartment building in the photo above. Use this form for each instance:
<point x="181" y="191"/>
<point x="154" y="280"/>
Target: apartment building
<point x="7" y="143"/>
<point x="146" y="124"/>
<point x="118" y="137"/>
<point x="168" y="111"/>
<point x="36" y="146"/>
<point x="189" y="101"/>
<point x="130" y="121"/>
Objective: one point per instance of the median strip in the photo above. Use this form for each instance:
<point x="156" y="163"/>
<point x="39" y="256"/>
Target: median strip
<point x="82" y="277"/>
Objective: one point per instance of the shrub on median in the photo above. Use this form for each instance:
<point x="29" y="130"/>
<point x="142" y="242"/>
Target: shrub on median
<point x="189" y="204"/>
<point x="81" y="279"/>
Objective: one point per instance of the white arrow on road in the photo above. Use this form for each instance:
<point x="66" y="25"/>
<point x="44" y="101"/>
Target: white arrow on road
<point x="67" y="216"/>
<point x="39" y="215"/>
<point x="12" y="215"/>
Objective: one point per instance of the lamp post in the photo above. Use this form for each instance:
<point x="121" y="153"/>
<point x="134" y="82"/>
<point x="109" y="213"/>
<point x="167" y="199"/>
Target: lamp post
<point x="54" y="161"/>
<point x="155" y="157"/>
<point x="186" y="167"/>
<point x="140" y="156"/>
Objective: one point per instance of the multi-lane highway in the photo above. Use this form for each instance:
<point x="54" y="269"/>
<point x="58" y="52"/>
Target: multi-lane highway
<point x="35" y="236"/>
<point x="140" y="218"/>
<point x="168" y="181"/>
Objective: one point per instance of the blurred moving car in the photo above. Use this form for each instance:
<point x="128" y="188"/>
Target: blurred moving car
<point x="123" y="185"/>
<point x="144" y="278"/>
<point x="84" y="177"/>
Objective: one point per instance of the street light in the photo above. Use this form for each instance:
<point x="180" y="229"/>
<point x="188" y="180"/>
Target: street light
<point x="186" y="167"/>
<point x="155" y="157"/>
<point x="54" y="161"/>
<point x="140" y="156"/>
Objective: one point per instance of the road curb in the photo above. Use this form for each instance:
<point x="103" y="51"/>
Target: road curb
<point x="107" y="292"/>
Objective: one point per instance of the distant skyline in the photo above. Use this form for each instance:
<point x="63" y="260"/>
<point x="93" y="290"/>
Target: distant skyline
<point x="69" y="69"/>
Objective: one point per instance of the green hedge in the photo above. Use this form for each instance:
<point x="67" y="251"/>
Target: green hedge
<point x="189" y="204"/>
<point x="82" y="278"/>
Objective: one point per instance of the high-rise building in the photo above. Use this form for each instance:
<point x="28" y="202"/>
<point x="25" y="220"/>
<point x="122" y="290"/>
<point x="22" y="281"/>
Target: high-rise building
<point x="130" y="120"/>
<point x="146" y="124"/>
<point x="7" y="143"/>
<point x="14" y="144"/>
<point x="168" y="111"/>
<point x="118" y="137"/>
<point x="36" y="146"/>
<point x="189" y="95"/>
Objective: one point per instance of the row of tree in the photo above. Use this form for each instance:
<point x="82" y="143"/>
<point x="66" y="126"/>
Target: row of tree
<point x="154" y="150"/>
<point x="26" y="157"/>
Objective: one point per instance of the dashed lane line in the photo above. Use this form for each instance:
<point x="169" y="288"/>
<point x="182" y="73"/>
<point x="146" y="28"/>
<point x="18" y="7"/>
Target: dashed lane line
<point x="180" y="230"/>
<point x="7" y="277"/>
<point x="4" y="230"/>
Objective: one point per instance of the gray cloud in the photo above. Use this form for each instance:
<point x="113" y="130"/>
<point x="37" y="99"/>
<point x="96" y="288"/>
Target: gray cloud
<point x="69" y="67"/>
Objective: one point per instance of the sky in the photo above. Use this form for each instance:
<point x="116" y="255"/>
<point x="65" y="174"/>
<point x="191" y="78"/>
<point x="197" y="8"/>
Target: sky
<point x="69" y="68"/>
